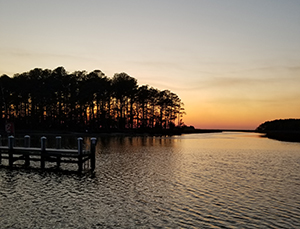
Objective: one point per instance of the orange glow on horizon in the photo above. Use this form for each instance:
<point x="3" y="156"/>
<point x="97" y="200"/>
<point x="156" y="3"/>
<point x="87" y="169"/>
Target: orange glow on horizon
<point x="235" y="116"/>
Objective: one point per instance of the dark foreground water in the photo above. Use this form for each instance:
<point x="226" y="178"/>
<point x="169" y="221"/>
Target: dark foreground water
<point x="221" y="180"/>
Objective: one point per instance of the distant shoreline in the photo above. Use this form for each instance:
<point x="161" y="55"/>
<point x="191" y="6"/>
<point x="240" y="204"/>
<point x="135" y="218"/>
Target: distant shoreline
<point x="288" y="136"/>
<point x="134" y="132"/>
<point x="281" y="129"/>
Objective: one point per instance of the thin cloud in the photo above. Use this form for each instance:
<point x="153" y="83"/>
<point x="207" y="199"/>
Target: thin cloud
<point x="29" y="60"/>
<point x="24" y="53"/>
<point x="268" y="99"/>
<point x="227" y="83"/>
<point x="269" y="69"/>
<point x="221" y="82"/>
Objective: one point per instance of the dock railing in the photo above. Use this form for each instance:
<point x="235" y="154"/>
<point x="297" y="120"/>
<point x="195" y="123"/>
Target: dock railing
<point x="43" y="154"/>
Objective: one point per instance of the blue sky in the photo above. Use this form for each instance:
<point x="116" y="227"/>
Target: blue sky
<point x="234" y="63"/>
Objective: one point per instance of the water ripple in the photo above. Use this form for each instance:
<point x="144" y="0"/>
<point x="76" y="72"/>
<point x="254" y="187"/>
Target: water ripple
<point x="187" y="183"/>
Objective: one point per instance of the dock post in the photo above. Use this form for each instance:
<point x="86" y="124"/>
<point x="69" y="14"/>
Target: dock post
<point x="93" y="153"/>
<point x="58" y="142"/>
<point x="27" y="145"/>
<point x="11" y="150"/>
<point x="58" y="146"/>
<point x="43" y="151"/>
<point x="0" y="150"/>
<point x="80" y="145"/>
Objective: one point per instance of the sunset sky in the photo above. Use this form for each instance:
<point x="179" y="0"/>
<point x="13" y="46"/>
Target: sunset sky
<point x="234" y="64"/>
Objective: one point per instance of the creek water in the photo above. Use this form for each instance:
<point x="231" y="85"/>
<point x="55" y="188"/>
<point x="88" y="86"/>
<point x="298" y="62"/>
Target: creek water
<point x="216" y="180"/>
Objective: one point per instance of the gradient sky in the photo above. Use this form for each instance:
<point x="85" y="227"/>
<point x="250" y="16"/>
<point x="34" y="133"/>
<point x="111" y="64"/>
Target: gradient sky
<point x="234" y="64"/>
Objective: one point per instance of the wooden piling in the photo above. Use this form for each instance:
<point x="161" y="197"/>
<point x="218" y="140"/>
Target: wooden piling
<point x="58" y="146"/>
<point x="80" y="145"/>
<point x="93" y="153"/>
<point x="11" y="140"/>
<point x="58" y="142"/>
<point x="27" y="145"/>
<point x="43" y="152"/>
<point x="0" y="150"/>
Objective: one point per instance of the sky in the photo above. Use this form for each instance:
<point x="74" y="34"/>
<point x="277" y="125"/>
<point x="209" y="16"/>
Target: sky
<point x="234" y="64"/>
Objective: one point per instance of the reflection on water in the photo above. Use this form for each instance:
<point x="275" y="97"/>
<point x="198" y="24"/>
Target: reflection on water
<point x="223" y="180"/>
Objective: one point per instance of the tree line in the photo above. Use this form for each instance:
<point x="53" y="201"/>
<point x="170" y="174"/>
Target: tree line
<point x="281" y="129"/>
<point x="80" y="101"/>
<point x="279" y="125"/>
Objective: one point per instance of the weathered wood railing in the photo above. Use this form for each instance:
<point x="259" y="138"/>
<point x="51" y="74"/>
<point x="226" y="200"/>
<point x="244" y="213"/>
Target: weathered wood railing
<point x="43" y="154"/>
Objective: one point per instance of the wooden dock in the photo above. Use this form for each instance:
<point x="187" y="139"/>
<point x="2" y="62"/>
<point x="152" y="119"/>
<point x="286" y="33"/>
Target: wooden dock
<point x="43" y="155"/>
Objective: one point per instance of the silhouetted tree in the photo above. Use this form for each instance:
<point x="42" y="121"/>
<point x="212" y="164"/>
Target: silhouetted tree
<point x="56" y="99"/>
<point x="279" y="125"/>
<point x="123" y="87"/>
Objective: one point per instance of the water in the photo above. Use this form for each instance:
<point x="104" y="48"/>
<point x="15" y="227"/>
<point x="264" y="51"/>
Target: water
<point x="220" y="180"/>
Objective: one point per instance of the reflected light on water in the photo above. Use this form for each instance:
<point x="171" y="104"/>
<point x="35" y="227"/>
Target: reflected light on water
<point x="222" y="180"/>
